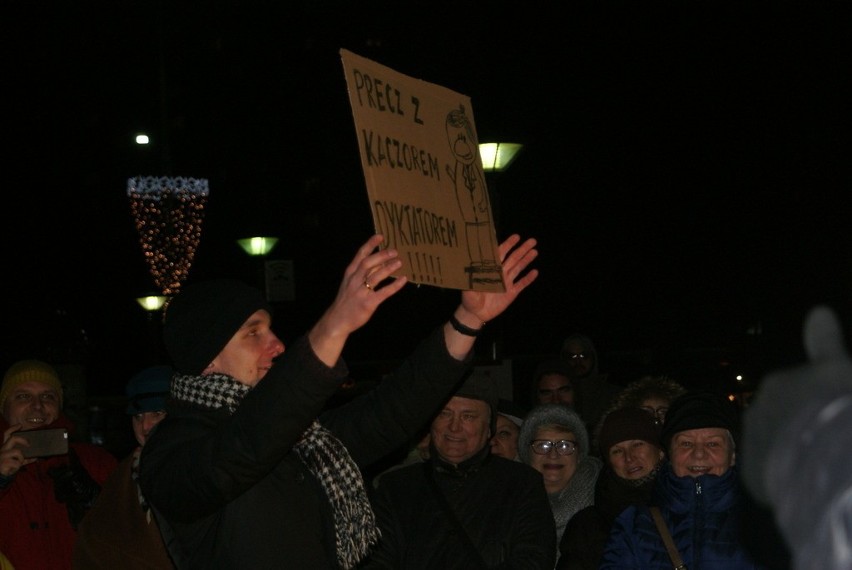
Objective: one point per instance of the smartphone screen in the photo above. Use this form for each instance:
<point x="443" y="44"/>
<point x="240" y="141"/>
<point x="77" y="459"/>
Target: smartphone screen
<point x="45" y="442"/>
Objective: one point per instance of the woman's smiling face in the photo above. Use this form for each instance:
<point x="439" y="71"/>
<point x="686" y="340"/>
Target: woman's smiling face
<point x="702" y="451"/>
<point x="634" y="458"/>
<point x="557" y="470"/>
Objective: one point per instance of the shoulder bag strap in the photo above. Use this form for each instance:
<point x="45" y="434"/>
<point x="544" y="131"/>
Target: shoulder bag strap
<point x="448" y="510"/>
<point x="677" y="561"/>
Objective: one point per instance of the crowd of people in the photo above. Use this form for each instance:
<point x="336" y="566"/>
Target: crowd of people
<point x="241" y="463"/>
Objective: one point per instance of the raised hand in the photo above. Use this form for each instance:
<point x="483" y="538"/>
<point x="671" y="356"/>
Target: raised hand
<point x="479" y="307"/>
<point x="11" y="453"/>
<point x="485" y="306"/>
<point x="357" y="298"/>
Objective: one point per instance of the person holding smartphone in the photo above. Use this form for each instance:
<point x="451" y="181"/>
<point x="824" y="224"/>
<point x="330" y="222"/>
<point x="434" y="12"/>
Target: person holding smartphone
<point x="42" y="499"/>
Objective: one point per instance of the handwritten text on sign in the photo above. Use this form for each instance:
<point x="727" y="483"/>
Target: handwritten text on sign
<point x="420" y="157"/>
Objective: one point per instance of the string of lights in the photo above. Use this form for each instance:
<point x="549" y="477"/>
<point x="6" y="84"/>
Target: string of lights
<point x="168" y="212"/>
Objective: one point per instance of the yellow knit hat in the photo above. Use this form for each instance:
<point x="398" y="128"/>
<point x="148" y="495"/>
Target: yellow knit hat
<point x="26" y="371"/>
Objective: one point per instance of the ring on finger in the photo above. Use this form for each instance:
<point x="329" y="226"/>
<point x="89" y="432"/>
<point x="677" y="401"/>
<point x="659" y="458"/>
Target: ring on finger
<point x="367" y="285"/>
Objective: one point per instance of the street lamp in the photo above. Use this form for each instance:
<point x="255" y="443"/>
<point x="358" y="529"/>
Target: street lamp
<point x="496" y="157"/>
<point x="152" y="303"/>
<point x="258" y="246"/>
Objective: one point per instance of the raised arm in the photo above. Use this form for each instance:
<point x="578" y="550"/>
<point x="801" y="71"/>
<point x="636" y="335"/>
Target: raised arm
<point x="479" y="307"/>
<point x="357" y="299"/>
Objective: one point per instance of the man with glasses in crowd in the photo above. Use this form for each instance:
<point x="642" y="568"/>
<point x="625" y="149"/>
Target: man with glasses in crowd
<point x="465" y="507"/>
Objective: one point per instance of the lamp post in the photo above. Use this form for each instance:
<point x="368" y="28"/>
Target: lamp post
<point x="153" y="305"/>
<point x="496" y="157"/>
<point x="258" y="247"/>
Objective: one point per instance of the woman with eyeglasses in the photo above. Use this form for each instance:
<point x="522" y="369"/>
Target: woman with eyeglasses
<point x="554" y="442"/>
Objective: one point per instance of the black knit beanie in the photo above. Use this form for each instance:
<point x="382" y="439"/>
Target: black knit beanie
<point x="201" y="320"/>
<point x="697" y="410"/>
<point x="628" y="424"/>
<point x="481" y="386"/>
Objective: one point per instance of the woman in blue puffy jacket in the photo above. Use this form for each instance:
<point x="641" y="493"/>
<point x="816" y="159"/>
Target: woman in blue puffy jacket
<point x="697" y="492"/>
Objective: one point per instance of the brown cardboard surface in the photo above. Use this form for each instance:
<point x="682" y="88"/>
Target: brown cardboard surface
<point x="424" y="177"/>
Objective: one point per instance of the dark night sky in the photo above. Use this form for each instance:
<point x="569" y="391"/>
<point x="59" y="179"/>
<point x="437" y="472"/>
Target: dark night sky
<point x="685" y="167"/>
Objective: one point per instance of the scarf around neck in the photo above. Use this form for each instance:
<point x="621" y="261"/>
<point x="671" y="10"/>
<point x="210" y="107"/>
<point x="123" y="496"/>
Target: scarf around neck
<point x="319" y="450"/>
<point x="578" y="494"/>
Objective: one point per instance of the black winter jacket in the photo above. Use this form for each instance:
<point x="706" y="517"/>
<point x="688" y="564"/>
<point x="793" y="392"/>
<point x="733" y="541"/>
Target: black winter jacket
<point x="501" y="503"/>
<point x="587" y="532"/>
<point x="234" y="494"/>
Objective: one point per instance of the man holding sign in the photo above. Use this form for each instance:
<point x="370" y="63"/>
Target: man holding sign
<point x="245" y="472"/>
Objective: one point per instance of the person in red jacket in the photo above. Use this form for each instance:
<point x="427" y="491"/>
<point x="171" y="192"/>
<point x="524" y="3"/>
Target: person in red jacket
<point x="42" y="499"/>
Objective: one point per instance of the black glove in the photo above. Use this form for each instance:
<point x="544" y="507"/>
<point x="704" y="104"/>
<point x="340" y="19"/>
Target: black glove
<point x="73" y="486"/>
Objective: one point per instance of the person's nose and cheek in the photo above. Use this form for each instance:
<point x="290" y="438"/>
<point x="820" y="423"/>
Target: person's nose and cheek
<point x="276" y="347"/>
<point x="455" y="423"/>
<point x="549" y="397"/>
<point x="150" y="420"/>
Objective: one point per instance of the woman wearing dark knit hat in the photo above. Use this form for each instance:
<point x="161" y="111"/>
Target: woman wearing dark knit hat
<point x="629" y="442"/>
<point x="697" y="491"/>
<point x="242" y="473"/>
<point x="654" y="394"/>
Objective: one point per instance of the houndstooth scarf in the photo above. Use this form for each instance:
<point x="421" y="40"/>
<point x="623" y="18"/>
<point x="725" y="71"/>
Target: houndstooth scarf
<point x="354" y="522"/>
<point x="323" y="454"/>
<point x="209" y="392"/>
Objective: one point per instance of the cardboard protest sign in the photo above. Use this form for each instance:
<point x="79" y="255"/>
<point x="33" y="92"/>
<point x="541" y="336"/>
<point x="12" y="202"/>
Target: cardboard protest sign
<point x="425" y="183"/>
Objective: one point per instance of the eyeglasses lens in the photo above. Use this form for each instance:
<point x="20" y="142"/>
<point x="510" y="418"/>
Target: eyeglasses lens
<point x="563" y="446"/>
